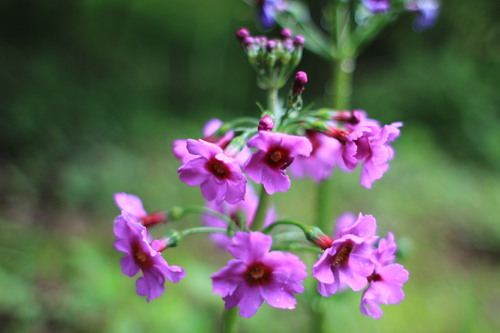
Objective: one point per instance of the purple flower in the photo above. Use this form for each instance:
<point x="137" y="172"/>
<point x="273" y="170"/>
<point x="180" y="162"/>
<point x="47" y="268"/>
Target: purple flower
<point x="132" y="239"/>
<point x="244" y="209"/>
<point x="428" y="11"/>
<point x="377" y="6"/>
<point x="347" y="262"/>
<point x="257" y="275"/>
<point x="179" y="146"/>
<point x="386" y="281"/>
<point x="323" y="158"/>
<point x="368" y="144"/>
<point x="276" y="151"/>
<point x="218" y="175"/>
<point x="133" y="210"/>
<point x="267" y="10"/>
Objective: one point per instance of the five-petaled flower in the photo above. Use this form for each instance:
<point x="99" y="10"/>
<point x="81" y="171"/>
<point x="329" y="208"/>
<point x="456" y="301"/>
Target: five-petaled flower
<point x="132" y="239"/>
<point x="348" y="261"/>
<point x="219" y="176"/>
<point x="276" y="151"/>
<point x="257" y="275"/>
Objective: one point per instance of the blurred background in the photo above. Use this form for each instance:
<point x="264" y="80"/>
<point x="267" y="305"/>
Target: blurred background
<point x="93" y="92"/>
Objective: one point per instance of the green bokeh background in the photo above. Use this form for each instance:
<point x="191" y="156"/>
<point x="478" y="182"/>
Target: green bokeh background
<point x="93" y="92"/>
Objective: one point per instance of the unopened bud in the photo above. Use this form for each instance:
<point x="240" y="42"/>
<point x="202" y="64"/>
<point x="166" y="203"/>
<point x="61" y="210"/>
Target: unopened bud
<point x="299" y="83"/>
<point x="175" y="213"/>
<point x="154" y="218"/>
<point x="286" y="33"/>
<point x="299" y="41"/>
<point x="271" y="45"/>
<point x="318" y="237"/>
<point x="266" y="123"/>
<point x="242" y="33"/>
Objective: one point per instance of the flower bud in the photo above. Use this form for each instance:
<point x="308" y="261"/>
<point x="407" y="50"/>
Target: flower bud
<point x="299" y="83"/>
<point x="318" y="237"/>
<point x="266" y="123"/>
<point x="242" y="33"/>
<point x="154" y="218"/>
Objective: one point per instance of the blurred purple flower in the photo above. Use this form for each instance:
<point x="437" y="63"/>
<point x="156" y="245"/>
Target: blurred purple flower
<point x="347" y="262"/>
<point x="267" y="10"/>
<point x="257" y="275"/>
<point x="276" y="151"/>
<point x="218" y="175"/>
<point x="377" y="6"/>
<point x="428" y="11"/>
<point x="323" y="158"/>
<point x="244" y="209"/>
<point x="386" y="281"/>
<point x="132" y="239"/>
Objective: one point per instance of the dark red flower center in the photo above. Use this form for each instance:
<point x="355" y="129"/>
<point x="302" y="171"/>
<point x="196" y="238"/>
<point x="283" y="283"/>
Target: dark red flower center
<point x="342" y="256"/>
<point x="140" y="257"/>
<point x="257" y="274"/>
<point x="278" y="158"/>
<point x="374" y="277"/>
<point x="218" y="168"/>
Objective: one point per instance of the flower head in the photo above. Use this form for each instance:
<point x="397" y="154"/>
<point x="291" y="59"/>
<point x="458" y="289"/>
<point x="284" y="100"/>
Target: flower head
<point x="386" y="281"/>
<point x="132" y="239"/>
<point x="276" y="151"/>
<point x="242" y="212"/>
<point x="218" y="175"/>
<point x="347" y="262"/>
<point x="257" y="275"/>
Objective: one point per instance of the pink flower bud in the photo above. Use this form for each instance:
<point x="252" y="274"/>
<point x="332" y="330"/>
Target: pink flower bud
<point x="299" y="83"/>
<point x="266" y="123"/>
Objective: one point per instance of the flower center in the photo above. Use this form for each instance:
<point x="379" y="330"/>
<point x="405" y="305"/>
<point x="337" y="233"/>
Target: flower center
<point x="142" y="259"/>
<point x="342" y="256"/>
<point x="257" y="274"/>
<point x="278" y="158"/>
<point x="374" y="277"/>
<point x="218" y="169"/>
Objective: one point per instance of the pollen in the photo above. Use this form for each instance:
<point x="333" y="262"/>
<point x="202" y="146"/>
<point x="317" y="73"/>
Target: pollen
<point x="257" y="274"/>
<point x="218" y="169"/>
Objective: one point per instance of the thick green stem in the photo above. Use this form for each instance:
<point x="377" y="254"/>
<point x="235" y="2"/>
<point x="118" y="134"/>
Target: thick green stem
<point x="272" y="105"/>
<point x="229" y="320"/>
<point x="260" y="214"/>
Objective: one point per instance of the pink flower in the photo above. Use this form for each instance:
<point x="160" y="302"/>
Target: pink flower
<point x="386" y="281"/>
<point x="257" y="275"/>
<point x="179" y="146"/>
<point x="133" y="210"/>
<point x="218" y="175"/>
<point x="244" y="209"/>
<point x="347" y="262"/>
<point x="276" y="151"/>
<point x="323" y="158"/>
<point x="132" y="239"/>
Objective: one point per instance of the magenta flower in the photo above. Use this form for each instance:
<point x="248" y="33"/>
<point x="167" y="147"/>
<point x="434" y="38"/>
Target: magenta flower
<point x="377" y="6"/>
<point x="244" y="209"/>
<point x="219" y="176"/>
<point x="133" y="210"/>
<point x="347" y="262"/>
<point x="257" y="275"/>
<point x="323" y="158"/>
<point x="179" y="146"/>
<point x="132" y="239"/>
<point x="386" y="281"/>
<point x="276" y="152"/>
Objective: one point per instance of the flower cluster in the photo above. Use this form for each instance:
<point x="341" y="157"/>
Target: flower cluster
<point x="273" y="59"/>
<point x="231" y="157"/>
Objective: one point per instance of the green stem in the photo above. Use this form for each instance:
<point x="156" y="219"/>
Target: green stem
<point x="287" y="222"/>
<point x="260" y="214"/>
<point x="205" y="210"/>
<point x="229" y="320"/>
<point x="201" y="230"/>
<point x="272" y="105"/>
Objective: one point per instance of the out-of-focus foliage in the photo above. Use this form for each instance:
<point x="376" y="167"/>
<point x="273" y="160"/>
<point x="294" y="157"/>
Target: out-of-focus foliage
<point x="93" y="92"/>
